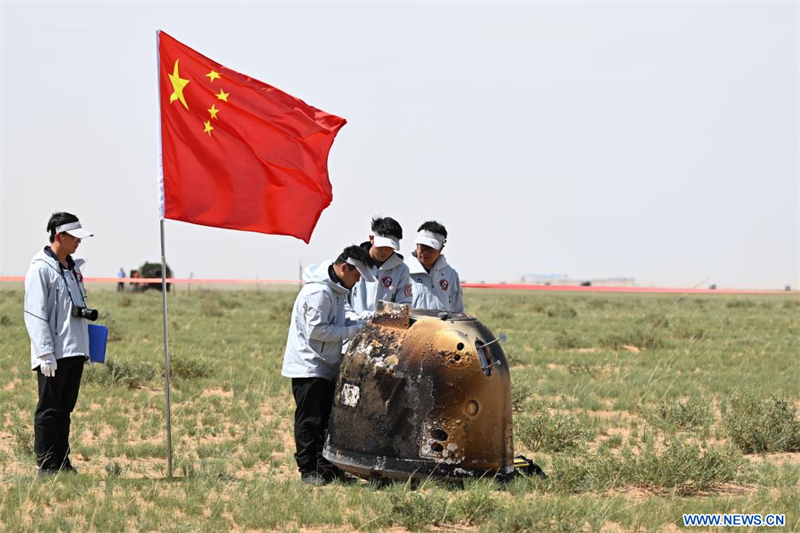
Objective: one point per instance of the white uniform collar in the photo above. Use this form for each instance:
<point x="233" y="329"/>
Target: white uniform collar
<point x="393" y="261"/>
<point x="415" y="267"/>
<point x="41" y="255"/>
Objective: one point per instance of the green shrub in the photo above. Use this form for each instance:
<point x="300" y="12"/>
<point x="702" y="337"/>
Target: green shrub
<point x="583" y="368"/>
<point x="475" y="504"/>
<point x="598" y="303"/>
<point x="740" y="304"/>
<point x="641" y="338"/>
<point x="565" y="340"/>
<point x="520" y="391"/>
<point x="684" y="415"/>
<point x="756" y="426"/>
<point x="551" y="433"/>
<point x="189" y="367"/>
<point x="23" y="439"/>
<point x="689" y="332"/>
<point x="680" y="467"/>
<point x="113" y="469"/>
<point x="229" y="302"/>
<point x="414" y="509"/>
<point x="545" y="515"/>
<point x="561" y="312"/>
<point x="211" y="308"/>
<point x="688" y="468"/>
<point x="656" y="320"/>
<point x="132" y="374"/>
<point x="115" y="332"/>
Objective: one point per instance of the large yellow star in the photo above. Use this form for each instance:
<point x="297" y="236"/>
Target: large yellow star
<point x="222" y="95"/>
<point x="213" y="75"/>
<point x="213" y="111"/>
<point x="178" y="84"/>
<point x="208" y="128"/>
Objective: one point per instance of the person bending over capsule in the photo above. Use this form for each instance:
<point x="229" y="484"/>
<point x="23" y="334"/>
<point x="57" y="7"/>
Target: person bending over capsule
<point x="314" y="351"/>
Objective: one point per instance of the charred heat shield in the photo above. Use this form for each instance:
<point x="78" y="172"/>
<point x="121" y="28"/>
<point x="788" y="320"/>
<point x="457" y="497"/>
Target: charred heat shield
<point x="422" y="394"/>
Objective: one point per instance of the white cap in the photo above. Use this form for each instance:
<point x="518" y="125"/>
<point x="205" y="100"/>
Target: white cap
<point x="75" y="229"/>
<point x="386" y="240"/>
<point x="429" y="238"/>
<point x="365" y="271"/>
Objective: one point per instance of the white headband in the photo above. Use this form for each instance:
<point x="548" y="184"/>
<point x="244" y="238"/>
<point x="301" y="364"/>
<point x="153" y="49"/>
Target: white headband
<point x="75" y="229"/>
<point x="365" y="271"/>
<point x="429" y="238"/>
<point x="386" y="240"/>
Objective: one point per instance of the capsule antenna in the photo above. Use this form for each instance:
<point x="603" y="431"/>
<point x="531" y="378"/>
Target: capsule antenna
<point x="500" y="338"/>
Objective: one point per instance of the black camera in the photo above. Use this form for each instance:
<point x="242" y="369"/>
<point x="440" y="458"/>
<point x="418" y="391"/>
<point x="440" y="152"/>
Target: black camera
<point x="84" y="312"/>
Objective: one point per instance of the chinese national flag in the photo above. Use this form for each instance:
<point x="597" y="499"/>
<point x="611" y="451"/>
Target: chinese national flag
<point x="238" y="153"/>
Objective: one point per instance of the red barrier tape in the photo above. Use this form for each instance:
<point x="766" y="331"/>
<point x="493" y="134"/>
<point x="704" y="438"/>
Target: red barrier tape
<point x="579" y="288"/>
<point x="506" y="286"/>
<point x="179" y="281"/>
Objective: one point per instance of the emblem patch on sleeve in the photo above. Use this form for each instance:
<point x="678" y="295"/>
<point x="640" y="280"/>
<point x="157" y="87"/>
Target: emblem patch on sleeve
<point x="409" y="291"/>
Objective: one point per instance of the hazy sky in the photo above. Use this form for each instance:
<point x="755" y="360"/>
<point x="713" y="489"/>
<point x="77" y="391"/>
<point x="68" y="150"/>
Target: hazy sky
<point x="649" y="140"/>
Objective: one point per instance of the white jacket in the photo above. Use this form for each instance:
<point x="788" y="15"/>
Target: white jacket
<point x="318" y="327"/>
<point x="391" y="281"/>
<point x="48" y="309"/>
<point x="439" y="290"/>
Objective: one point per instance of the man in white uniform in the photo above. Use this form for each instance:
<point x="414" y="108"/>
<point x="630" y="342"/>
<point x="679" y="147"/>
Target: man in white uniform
<point x="434" y="284"/>
<point x="389" y="270"/>
<point x="57" y="318"/>
<point x="313" y="354"/>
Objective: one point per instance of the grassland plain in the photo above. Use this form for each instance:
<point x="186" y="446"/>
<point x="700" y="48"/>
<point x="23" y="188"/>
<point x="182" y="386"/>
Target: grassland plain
<point x="639" y="407"/>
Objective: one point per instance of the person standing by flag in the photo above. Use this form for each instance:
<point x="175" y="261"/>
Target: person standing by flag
<point x="56" y="317"/>
<point x="313" y="353"/>
<point x="389" y="270"/>
<point x="434" y="283"/>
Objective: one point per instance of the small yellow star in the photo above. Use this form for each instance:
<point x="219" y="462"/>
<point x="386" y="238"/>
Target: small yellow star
<point x="213" y="75"/>
<point x="213" y="111"/>
<point x="222" y="95"/>
<point x="178" y="84"/>
<point x="208" y="128"/>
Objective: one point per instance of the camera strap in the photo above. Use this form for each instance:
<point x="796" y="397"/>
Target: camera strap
<point x="76" y="276"/>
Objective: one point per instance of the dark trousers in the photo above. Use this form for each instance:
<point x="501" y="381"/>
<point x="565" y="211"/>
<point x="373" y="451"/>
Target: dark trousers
<point x="57" y="398"/>
<point x="314" y="399"/>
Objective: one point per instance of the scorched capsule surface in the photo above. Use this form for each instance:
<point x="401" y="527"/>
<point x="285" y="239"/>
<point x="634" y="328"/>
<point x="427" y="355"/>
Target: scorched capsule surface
<point x="422" y="393"/>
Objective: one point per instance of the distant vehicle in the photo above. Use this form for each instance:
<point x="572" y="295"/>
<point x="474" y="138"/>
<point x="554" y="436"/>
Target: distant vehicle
<point x="149" y="270"/>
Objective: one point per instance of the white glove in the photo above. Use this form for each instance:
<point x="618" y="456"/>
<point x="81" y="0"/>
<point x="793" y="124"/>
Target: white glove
<point x="48" y="365"/>
<point x="365" y="316"/>
<point x="352" y="330"/>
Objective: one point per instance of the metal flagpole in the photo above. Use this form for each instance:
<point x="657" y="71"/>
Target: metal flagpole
<point x="163" y="263"/>
<point x="166" y="351"/>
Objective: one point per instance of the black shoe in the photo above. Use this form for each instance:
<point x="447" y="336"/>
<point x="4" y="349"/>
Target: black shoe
<point x="68" y="468"/>
<point x="46" y="472"/>
<point x="314" y="479"/>
<point x="336" y="474"/>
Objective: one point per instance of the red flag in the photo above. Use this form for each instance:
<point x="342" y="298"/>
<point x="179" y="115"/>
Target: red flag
<point x="238" y="153"/>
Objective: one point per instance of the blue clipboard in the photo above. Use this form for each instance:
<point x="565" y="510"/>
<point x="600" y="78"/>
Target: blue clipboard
<point x="98" y="337"/>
